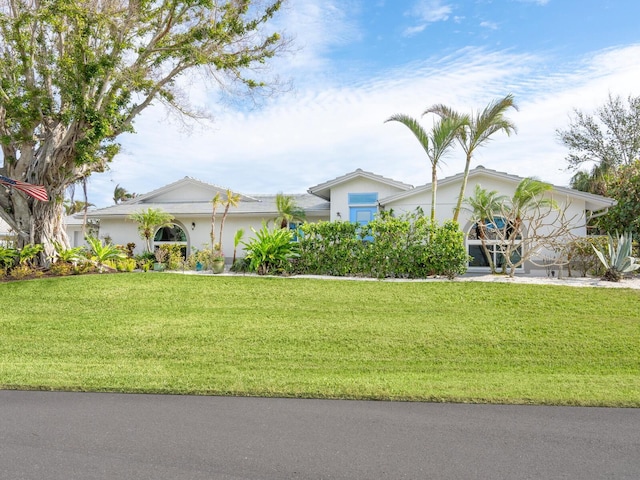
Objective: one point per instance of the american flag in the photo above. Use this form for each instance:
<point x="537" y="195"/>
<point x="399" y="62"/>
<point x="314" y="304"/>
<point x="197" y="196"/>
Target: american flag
<point x="36" y="191"/>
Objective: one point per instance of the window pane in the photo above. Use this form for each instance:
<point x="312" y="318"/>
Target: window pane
<point x="479" y="258"/>
<point x="363" y="198"/>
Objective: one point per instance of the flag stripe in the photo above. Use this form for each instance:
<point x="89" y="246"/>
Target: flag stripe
<point x="36" y="191"/>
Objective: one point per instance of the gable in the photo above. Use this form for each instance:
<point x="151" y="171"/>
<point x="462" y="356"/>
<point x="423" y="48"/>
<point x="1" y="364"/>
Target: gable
<point x="185" y="193"/>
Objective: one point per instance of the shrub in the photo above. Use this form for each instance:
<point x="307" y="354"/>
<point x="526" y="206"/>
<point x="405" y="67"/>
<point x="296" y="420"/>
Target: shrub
<point x="173" y="256"/>
<point x="61" y="268"/>
<point x="125" y="264"/>
<point x="409" y="246"/>
<point x="270" y="251"/>
<point x="204" y="258"/>
<point x="328" y="248"/>
<point x="582" y="257"/>
<point x="7" y="257"/>
<point x="23" y="271"/>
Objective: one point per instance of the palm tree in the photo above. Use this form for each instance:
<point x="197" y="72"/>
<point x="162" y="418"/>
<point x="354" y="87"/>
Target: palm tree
<point x="595" y="181"/>
<point x="232" y="201"/>
<point x="216" y="201"/>
<point x="120" y="194"/>
<point x="75" y="206"/>
<point x="149" y="221"/>
<point x="435" y="143"/>
<point x="288" y="211"/>
<point x="529" y="194"/>
<point x="477" y="132"/>
<point x="483" y="206"/>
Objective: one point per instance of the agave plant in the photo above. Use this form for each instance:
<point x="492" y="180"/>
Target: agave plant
<point x="618" y="259"/>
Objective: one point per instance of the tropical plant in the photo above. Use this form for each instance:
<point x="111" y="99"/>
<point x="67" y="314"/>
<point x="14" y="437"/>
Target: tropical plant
<point x="101" y="253"/>
<point x="618" y="259"/>
<point x="435" y="143"/>
<point x="28" y="253"/>
<point x="476" y="132"/>
<point x="120" y="194"/>
<point x="482" y="206"/>
<point x="237" y="238"/>
<point x="7" y="256"/>
<point x="529" y="195"/>
<point x="216" y="201"/>
<point x="288" y="211"/>
<point x="68" y="255"/>
<point x="270" y="250"/>
<point x="149" y="221"/>
<point x="76" y="74"/>
<point x="76" y="206"/>
<point x="232" y="201"/>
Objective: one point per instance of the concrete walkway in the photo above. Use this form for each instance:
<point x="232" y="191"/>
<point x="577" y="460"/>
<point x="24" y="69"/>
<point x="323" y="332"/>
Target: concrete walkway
<point x="55" y="436"/>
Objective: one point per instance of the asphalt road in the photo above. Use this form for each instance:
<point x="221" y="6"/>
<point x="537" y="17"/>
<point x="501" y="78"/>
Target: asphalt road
<point x="53" y="435"/>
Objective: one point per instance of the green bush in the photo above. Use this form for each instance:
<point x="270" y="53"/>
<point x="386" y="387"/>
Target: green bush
<point x="582" y="256"/>
<point x="174" y="259"/>
<point x="409" y="246"/>
<point x="270" y="251"/>
<point x="328" y="248"/>
<point x="7" y="257"/>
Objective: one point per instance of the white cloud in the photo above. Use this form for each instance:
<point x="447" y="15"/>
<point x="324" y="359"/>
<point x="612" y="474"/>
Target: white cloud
<point x="431" y="10"/>
<point x="427" y="11"/>
<point x="328" y="129"/>
<point x="489" y="25"/>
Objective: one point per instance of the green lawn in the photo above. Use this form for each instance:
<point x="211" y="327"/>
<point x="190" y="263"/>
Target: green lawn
<point x="432" y="341"/>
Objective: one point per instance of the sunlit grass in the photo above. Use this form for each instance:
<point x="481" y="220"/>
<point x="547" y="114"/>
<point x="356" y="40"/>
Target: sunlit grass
<point x="435" y="341"/>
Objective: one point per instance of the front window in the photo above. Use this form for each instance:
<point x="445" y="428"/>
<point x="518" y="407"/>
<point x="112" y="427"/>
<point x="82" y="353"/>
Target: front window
<point x="490" y="240"/>
<point x="172" y="235"/>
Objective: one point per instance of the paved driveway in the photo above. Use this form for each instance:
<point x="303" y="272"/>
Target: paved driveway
<point x="50" y="435"/>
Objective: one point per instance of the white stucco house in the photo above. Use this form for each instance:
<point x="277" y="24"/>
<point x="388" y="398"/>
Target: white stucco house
<point x="356" y="196"/>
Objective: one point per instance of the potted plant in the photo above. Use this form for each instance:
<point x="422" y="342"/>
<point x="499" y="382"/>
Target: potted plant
<point x="217" y="261"/>
<point x="160" y="255"/>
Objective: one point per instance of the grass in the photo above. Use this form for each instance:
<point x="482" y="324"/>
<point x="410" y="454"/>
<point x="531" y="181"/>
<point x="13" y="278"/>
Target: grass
<point x="431" y="341"/>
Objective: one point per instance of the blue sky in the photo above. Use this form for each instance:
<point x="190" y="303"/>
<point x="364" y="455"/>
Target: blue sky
<point x="356" y="62"/>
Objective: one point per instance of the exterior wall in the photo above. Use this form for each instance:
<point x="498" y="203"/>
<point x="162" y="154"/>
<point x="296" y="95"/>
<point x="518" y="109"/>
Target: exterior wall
<point x="447" y="197"/>
<point x="340" y="195"/>
<point x="196" y="228"/>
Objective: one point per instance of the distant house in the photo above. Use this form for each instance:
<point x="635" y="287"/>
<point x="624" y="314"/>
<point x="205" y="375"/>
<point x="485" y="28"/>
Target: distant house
<point x="356" y="197"/>
<point x="6" y="234"/>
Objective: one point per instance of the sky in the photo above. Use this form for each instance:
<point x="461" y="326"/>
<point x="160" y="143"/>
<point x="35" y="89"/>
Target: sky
<point x="354" y="63"/>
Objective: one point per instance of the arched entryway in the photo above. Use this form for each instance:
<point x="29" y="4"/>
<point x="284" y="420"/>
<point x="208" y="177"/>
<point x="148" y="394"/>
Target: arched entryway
<point x="174" y="234"/>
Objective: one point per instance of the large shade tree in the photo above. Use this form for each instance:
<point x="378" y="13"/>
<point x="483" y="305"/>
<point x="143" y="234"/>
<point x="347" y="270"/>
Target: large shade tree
<point x="74" y="74"/>
<point x="607" y="143"/>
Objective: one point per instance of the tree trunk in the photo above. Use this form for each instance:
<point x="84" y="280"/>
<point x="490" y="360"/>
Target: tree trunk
<point x="49" y="163"/>
<point x="463" y="187"/>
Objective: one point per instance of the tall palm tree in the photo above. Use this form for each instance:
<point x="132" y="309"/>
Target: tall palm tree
<point x="288" y="211"/>
<point x="483" y="206"/>
<point x="216" y="201"/>
<point x="149" y="221"/>
<point x="435" y="143"/>
<point x="477" y="132"/>
<point x="232" y="201"/>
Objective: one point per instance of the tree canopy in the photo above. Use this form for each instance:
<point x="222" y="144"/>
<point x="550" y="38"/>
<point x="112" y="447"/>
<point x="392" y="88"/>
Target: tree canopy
<point x="608" y="143"/>
<point x="74" y="74"/>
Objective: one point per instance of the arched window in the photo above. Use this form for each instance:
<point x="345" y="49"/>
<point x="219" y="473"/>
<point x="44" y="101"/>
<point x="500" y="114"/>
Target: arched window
<point x="492" y="238"/>
<point x="171" y="235"/>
